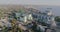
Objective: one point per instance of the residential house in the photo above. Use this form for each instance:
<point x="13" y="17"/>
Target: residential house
<point x="45" y="17"/>
<point x="24" y="17"/>
<point x="5" y="22"/>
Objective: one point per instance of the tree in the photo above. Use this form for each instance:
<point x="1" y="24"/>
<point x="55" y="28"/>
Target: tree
<point x="15" y="27"/>
<point x="21" y="11"/>
<point x="57" y="18"/>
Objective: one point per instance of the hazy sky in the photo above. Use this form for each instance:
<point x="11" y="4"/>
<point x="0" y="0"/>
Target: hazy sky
<point x="33" y="2"/>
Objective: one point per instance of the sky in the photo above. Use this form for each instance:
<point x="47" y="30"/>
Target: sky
<point x="35" y="2"/>
<point x="31" y="2"/>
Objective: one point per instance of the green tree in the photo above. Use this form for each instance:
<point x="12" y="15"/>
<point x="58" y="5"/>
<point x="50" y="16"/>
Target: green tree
<point x="57" y="18"/>
<point x="34" y="27"/>
<point x="21" y="11"/>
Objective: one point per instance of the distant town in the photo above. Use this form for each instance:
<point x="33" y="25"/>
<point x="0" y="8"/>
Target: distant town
<point x="22" y="19"/>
